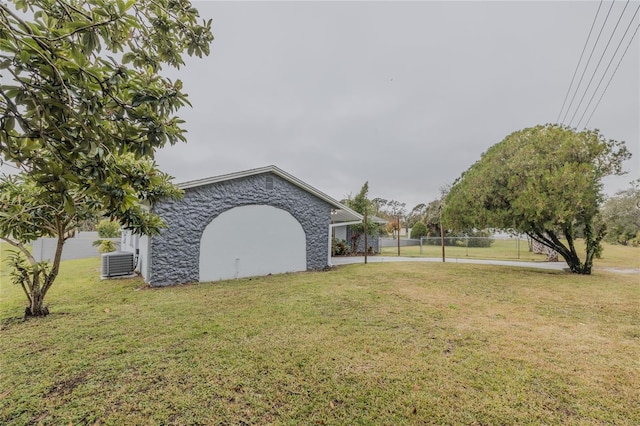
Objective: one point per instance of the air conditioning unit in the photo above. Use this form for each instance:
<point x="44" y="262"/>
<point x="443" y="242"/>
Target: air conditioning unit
<point x="117" y="263"/>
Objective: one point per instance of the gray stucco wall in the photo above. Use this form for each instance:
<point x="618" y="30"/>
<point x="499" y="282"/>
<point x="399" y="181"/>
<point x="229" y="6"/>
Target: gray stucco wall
<point x="175" y="253"/>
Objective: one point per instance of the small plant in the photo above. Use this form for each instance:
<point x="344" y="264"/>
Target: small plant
<point x="339" y="247"/>
<point x="104" y="246"/>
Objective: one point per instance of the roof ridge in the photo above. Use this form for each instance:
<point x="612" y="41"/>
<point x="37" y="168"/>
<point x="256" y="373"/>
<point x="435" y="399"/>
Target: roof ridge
<point x="269" y="169"/>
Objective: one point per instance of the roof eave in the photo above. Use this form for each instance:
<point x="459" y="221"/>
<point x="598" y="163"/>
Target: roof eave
<point x="278" y="172"/>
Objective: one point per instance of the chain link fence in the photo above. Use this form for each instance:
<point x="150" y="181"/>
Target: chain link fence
<point x="494" y="247"/>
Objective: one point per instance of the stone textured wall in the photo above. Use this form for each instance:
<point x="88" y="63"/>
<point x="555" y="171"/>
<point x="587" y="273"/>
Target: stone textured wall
<point x="175" y="253"/>
<point x="372" y="241"/>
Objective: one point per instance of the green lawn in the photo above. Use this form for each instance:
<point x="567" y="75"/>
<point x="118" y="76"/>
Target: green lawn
<point x="612" y="255"/>
<point x="393" y="343"/>
<point x="500" y="249"/>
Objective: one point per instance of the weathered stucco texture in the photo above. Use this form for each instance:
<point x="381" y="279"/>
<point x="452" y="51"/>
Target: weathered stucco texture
<point x="175" y="253"/>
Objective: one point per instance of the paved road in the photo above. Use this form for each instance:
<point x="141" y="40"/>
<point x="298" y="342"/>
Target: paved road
<point x="557" y="266"/>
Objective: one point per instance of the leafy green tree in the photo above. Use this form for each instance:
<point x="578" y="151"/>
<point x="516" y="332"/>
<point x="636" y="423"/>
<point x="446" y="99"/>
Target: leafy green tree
<point x="544" y="181"/>
<point x="432" y="214"/>
<point x="361" y="204"/>
<point x="83" y="107"/>
<point x="621" y="213"/>
<point x="419" y="230"/>
<point x="395" y="213"/>
<point x="378" y="205"/>
<point x="415" y="215"/>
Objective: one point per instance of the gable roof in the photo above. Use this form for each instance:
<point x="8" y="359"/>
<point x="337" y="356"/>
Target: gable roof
<point x="340" y="212"/>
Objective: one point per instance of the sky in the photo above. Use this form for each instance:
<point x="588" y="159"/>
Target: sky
<point x="404" y="95"/>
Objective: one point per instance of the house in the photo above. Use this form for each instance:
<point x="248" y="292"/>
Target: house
<point x="343" y="231"/>
<point x="255" y="222"/>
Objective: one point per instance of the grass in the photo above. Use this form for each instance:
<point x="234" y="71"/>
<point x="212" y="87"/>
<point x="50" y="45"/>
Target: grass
<point x="362" y="344"/>
<point x="612" y="255"/>
<point x="500" y="249"/>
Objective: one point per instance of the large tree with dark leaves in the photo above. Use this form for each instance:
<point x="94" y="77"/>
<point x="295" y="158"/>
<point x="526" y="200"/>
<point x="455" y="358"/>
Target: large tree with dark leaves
<point x="83" y="107"/>
<point x="544" y="181"/>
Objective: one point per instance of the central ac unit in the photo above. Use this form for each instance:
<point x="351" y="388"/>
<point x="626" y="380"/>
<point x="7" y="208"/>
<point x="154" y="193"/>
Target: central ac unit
<point x="117" y="263"/>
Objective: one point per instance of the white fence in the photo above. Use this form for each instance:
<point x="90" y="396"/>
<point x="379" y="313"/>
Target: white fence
<point x="79" y="247"/>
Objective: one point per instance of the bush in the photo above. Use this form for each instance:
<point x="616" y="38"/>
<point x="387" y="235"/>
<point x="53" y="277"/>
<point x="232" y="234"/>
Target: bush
<point x="339" y="247"/>
<point x="108" y="229"/>
<point x="419" y="230"/>
<point x="105" y="246"/>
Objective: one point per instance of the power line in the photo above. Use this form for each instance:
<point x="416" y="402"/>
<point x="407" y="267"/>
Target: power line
<point x="566" y="96"/>
<point x="587" y="65"/>
<point x="609" y="65"/>
<point x="4" y="163"/>
<point x="611" y="78"/>
<point x="599" y="62"/>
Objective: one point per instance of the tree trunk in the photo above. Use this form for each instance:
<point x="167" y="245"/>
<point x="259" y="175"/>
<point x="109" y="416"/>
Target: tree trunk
<point x="36" y="307"/>
<point x="550" y="240"/>
<point x="41" y="282"/>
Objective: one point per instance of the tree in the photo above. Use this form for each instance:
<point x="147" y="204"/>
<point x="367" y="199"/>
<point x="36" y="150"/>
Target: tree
<point x="621" y="213"/>
<point x="419" y="230"/>
<point x="378" y="205"/>
<point x="361" y="204"/>
<point x="544" y="181"/>
<point x="394" y="212"/>
<point x="392" y="228"/>
<point x="415" y="216"/>
<point x="432" y="212"/>
<point x="432" y="217"/>
<point x="83" y="107"/>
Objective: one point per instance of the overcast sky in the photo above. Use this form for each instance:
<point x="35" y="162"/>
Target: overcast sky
<point x="405" y="95"/>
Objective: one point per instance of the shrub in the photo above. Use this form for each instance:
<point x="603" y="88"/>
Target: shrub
<point x="339" y="247"/>
<point x="418" y="230"/>
<point x="108" y="229"/>
<point x="105" y="246"/>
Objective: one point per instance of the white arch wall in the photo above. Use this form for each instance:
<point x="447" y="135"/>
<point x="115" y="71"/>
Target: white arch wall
<point x="251" y="241"/>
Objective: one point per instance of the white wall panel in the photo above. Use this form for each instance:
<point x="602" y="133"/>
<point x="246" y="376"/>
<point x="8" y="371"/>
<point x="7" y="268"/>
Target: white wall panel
<point x="251" y="241"/>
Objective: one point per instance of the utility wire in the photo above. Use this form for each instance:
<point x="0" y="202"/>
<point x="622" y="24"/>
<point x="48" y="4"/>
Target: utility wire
<point x="566" y="96"/>
<point x="608" y="66"/>
<point x="4" y="163"/>
<point x="599" y="62"/>
<point x="587" y="65"/>
<point x="611" y="78"/>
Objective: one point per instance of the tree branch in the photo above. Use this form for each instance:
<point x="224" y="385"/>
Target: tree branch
<point x="20" y="247"/>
